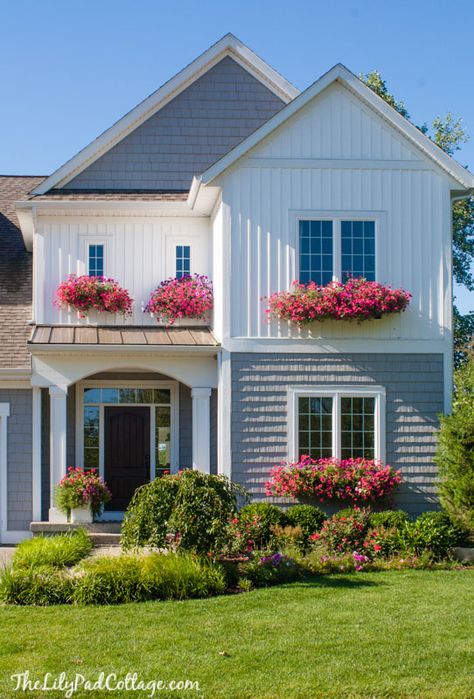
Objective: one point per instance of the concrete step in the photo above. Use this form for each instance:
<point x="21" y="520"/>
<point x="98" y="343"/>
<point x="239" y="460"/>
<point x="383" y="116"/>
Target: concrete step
<point x="102" y="539"/>
<point x="59" y="527"/>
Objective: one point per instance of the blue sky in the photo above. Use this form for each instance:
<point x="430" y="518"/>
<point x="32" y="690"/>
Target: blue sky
<point x="68" y="70"/>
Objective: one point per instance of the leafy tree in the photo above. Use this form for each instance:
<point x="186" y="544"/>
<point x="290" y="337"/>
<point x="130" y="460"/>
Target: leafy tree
<point x="455" y="452"/>
<point x="448" y="133"/>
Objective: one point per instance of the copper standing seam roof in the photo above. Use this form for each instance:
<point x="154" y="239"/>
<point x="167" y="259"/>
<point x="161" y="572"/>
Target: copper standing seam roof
<point x="122" y="335"/>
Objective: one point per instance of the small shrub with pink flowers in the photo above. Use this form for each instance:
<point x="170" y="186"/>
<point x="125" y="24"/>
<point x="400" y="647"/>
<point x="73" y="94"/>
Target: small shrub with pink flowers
<point x="87" y="293"/>
<point x="356" y="299"/>
<point x="186" y="297"/>
<point x="333" y="480"/>
<point x="80" y="488"/>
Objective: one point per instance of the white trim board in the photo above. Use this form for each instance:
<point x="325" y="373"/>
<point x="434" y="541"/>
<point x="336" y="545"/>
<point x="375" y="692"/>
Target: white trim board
<point x="344" y="76"/>
<point x="229" y="45"/>
<point x="4" y="415"/>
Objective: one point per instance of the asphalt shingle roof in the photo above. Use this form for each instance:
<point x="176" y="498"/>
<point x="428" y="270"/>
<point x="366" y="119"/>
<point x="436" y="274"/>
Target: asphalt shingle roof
<point x="15" y="275"/>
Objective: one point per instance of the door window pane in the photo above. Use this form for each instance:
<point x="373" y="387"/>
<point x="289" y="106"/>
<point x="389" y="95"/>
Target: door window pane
<point x="163" y="439"/>
<point x="358" y="249"/>
<point x="357" y="428"/>
<point x="316" y="252"/>
<point x="91" y="437"/>
<point x="315" y="427"/>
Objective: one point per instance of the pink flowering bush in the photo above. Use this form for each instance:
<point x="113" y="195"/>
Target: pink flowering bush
<point x="93" y="293"/>
<point x="187" y="297"/>
<point x="80" y="488"/>
<point x="333" y="480"/>
<point x="356" y="299"/>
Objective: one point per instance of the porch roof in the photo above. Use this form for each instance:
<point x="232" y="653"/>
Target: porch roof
<point x="122" y="335"/>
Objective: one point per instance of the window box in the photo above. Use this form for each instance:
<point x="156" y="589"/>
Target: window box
<point x="181" y="300"/>
<point x="90" y="293"/>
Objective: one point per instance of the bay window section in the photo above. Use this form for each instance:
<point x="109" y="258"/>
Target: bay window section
<point x="344" y="423"/>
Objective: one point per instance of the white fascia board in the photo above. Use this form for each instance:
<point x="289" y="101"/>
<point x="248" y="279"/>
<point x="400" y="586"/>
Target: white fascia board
<point x="202" y="200"/>
<point x="229" y="45"/>
<point x="37" y="349"/>
<point x="351" y="82"/>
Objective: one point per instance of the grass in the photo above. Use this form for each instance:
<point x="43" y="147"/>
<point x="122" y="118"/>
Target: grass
<point x="58" y="551"/>
<point x="367" y="636"/>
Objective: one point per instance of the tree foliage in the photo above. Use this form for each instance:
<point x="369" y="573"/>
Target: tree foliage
<point x="455" y="452"/>
<point x="448" y="133"/>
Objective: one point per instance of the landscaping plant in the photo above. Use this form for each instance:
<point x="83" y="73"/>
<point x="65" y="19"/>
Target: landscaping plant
<point x="86" y="293"/>
<point x="57" y="551"/>
<point x="184" y="297"/>
<point x="81" y="488"/>
<point x="333" y="480"/>
<point x="356" y="299"/>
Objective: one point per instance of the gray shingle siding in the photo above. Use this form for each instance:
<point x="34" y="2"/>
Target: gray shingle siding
<point x="187" y="135"/>
<point x="414" y="398"/>
<point x="19" y="457"/>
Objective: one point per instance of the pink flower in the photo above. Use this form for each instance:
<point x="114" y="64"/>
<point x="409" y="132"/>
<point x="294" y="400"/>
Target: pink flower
<point x="187" y="297"/>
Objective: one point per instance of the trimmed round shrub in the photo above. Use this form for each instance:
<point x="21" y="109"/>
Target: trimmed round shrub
<point x="266" y="514"/>
<point x="390" y="519"/>
<point x="189" y="510"/>
<point x="309" y="517"/>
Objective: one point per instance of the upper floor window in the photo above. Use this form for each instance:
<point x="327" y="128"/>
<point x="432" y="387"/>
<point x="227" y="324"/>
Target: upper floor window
<point x="335" y="249"/>
<point x="96" y="258"/>
<point x="342" y="423"/>
<point x="183" y="261"/>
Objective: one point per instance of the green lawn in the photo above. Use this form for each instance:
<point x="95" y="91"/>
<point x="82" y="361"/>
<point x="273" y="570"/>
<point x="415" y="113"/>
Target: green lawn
<point x="398" y="634"/>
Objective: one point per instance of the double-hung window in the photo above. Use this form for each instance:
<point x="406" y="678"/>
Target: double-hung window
<point x="96" y="259"/>
<point x="341" y="422"/>
<point x="336" y="248"/>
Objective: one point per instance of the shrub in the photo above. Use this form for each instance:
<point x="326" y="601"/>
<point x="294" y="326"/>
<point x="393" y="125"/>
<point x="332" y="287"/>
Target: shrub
<point x="192" y="508"/>
<point x="355" y="299"/>
<point x="136" y="578"/>
<point x="289" y="539"/>
<point x="186" y="297"/>
<point x="271" y="569"/>
<point x="308" y="517"/>
<point x="455" y="452"/>
<point x="333" y="480"/>
<point x="57" y="551"/>
<point x="390" y="519"/>
<point x="85" y="293"/>
<point x="432" y="532"/>
<point x="146" y="520"/>
<point x="40" y="586"/>
<point x="266" y="515"/>
<point x="80" y="488"/>
<point x="344" y="533"/>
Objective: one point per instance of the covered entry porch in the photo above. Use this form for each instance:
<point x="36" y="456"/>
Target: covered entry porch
<point x="132" y="412"/>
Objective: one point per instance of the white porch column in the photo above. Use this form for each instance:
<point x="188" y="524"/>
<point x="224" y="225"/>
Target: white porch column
<point x="201" y="429"/>
<point x="58" y="430"/>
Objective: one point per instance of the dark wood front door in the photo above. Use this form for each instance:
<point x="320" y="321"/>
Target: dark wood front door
<point x="127" y="452"/>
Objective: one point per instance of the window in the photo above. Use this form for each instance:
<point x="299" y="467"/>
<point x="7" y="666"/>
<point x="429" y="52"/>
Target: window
<point x="335" y="249"/>
<point x="358" y="249"/>
<point x="316" y="252"/>
<point x="96" y="260"/>
<point x="345" y="422"/>
<point x="183" y="261"/>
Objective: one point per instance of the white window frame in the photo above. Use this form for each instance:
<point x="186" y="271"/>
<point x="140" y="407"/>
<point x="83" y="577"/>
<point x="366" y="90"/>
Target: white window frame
<point x="183" y="245"/>
<point x="336" y="393"/>
<point x="89" y="243"/>
<point x="110" y="383"/>
<point x="378" y="217"/>
<point x="84" y="241"/>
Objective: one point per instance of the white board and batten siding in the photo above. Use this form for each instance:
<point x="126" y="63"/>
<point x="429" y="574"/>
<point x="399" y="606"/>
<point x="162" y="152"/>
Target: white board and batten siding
<point x="139" y="254"/>
<point x="337" y="157"/>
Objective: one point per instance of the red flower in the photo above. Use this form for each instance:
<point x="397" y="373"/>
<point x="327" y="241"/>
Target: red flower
<point x="187" y="297"/>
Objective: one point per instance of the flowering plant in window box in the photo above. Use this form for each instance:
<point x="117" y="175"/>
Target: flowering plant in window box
<point x="86" y="293"/>
<point x="332" y="480"/>
<point x="184" y="297"/>
<point x="82" y="490"/>
<point x="356" y="299"/>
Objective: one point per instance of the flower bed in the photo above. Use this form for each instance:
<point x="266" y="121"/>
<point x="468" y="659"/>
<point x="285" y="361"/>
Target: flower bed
<point x="333" y="480"/>
<point x="187" y="297"/>
<point x="86" y="293"/>
<point x="356" y="299"/>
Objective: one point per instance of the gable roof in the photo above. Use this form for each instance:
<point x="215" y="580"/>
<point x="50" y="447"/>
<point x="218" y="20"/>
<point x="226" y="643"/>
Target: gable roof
<point x="341" y="74"/>
<point x="229" y="45"/>
<point x="15" y="275"/>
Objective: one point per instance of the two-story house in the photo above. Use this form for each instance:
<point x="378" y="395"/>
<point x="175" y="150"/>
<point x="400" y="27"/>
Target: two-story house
<point x="229" y="171"/>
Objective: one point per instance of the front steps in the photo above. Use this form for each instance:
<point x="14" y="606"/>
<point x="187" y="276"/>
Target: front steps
<point x="103" y="534"/>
